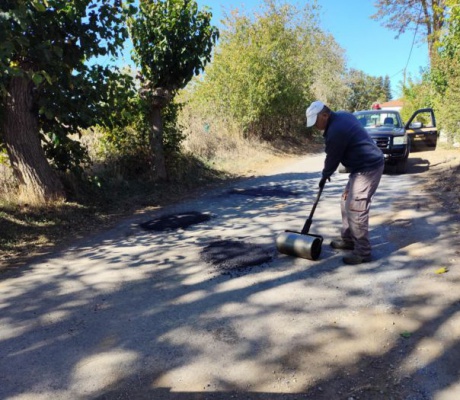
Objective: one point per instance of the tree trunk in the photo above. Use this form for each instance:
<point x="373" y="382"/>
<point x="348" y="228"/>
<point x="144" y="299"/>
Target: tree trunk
<point x="156" y="144"/>
<point x="38" y="182"/>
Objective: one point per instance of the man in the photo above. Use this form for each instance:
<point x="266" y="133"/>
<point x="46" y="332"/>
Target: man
<point x="347" y="142"/>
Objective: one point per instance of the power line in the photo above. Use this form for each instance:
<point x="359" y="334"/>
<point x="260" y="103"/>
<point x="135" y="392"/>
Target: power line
<point x="412" y="46"/>
<point x="397" y="73"/>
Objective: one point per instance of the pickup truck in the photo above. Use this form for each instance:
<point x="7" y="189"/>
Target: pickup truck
<point x="396" y="139"/>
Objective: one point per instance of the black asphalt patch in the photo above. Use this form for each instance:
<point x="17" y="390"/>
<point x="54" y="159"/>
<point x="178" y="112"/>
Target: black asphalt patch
<point x="265" y="191"/>
<point x="175" y="221"/>
<point x="232" y="256"/>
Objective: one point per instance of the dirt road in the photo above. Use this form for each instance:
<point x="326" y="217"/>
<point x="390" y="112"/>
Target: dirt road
<point x="213" y="312"/>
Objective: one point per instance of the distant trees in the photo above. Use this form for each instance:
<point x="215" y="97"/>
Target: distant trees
<point x="266" y="69"/>
<point x="365" y="90"/>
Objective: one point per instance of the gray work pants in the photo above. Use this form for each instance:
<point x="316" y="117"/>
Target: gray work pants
<point x="355" y="204"/>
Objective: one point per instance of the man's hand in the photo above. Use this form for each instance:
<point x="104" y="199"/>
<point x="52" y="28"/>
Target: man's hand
<point x="322" y="182"/>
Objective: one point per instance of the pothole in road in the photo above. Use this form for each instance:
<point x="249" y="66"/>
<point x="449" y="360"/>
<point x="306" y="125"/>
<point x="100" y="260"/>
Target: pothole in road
<point x="175" y="221"/>
<point x="233" y="257"/>
<point x="264" y="191"/>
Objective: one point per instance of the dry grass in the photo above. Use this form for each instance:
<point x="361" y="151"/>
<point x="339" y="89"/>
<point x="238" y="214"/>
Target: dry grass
<point x="231" y="154"/>
<point x="28" y="231"/>
<point x="442" y="180"/>
<point x="222" y="146"/>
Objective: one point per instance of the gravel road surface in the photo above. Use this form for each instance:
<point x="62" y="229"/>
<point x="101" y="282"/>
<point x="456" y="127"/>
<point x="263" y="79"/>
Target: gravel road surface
<point x="212" y="311"/>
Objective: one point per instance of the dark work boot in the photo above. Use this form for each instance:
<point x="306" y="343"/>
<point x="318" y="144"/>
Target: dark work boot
<point x="341" y="244"/>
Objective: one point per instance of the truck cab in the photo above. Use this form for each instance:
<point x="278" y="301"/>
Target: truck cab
<point x="397" y="139"/>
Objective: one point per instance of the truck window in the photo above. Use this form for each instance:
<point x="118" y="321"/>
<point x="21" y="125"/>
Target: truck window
<point x="425" y="119"/>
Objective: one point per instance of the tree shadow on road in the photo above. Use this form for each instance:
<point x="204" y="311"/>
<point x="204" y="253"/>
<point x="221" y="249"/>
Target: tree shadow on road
<point x="131" y="314"/>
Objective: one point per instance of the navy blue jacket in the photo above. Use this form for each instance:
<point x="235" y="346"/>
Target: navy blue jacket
<point x="347" y="142"/>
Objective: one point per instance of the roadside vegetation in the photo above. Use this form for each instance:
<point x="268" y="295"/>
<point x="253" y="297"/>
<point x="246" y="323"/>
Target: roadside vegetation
<point x="84" y="143"/>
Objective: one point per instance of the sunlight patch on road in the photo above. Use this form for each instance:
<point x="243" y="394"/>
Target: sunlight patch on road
<point x="101" y="370"/>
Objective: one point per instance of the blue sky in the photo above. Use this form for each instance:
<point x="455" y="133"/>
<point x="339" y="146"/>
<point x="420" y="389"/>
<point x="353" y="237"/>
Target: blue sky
<point x="368" y="46"/>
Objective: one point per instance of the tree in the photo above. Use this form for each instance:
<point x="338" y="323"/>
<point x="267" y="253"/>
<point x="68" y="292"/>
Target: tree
<point x="416" y="94"/>
<point x="47" y="89"/>
<point x="386" y="90"/>
<point x="366" y="89"/>
<point x="327" y="65"/>
<point x="265" y="70"/>
<point x="445" y="75"/>
<point x="172" y="42"/>
<point x="255" y="77"/>
<point x="400" y="15"/>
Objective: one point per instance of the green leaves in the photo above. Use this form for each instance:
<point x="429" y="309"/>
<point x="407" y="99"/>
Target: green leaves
<point x="40" y="5"/>
<point x="444" y="77"/>
<point x="406" y="334"/>
<point x="266" y="68"/>
<point x="49" y="42"/>
<point x="39" y="77"/>
<point x="365" y="90"/>
<point x="172" y="41"/>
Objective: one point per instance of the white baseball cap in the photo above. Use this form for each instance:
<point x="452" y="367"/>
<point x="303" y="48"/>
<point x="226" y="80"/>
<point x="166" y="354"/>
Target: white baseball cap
<point x="312" y="112"/>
